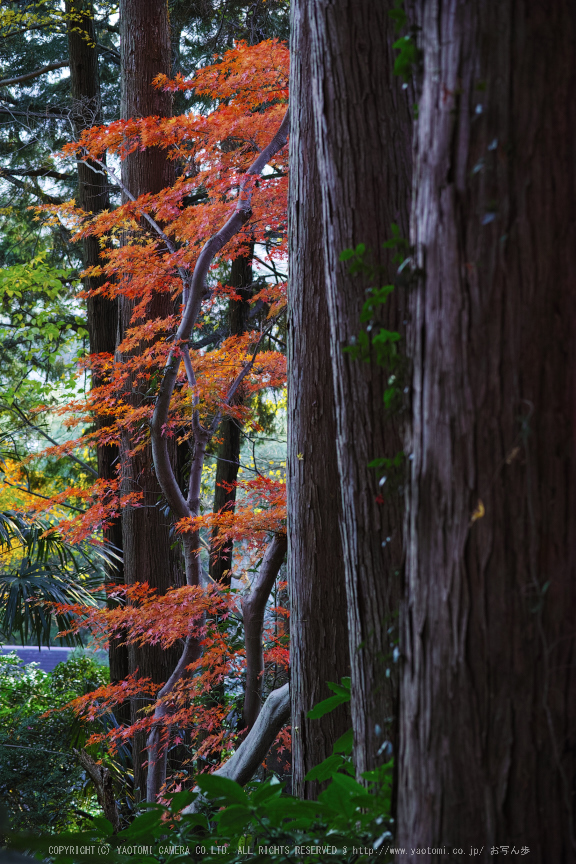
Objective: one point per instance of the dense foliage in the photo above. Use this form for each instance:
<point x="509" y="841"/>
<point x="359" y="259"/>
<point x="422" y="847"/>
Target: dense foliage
<point x="42" y="784"/>
<point x="348" y="823"/>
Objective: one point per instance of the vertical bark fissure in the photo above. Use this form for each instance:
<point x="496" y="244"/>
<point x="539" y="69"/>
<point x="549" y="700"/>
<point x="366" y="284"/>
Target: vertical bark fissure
<point x="102" y="312"/>
<point x="489" y="682"/>
<point x="318" y="619"/>
<point x="148" y="556"/>
<point x="363" y="148"/>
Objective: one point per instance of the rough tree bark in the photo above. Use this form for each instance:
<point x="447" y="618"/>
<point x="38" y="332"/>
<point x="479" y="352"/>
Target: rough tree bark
<point x="93" y="197"/>
<point x="363" y="133"/>
<point x="318" y="618"/>
<point x="489" y="677"/>
<point x="145" y="52"/>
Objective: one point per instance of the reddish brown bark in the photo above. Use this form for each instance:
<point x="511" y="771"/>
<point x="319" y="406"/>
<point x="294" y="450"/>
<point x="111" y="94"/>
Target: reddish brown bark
<point x="363" y="147"/>
<point x="145" y="52"/>
<point x="318" y="619"/>
<point x="489" y="677"/>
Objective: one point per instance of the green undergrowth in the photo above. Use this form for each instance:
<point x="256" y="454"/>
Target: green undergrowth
<point x="350" y="822"/>
<point x="43" y="788"/>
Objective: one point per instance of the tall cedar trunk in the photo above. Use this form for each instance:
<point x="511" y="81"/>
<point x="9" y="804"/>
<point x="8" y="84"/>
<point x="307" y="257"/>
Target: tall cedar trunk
<point x="318" y="618"/>
<point x="230" y="428"/>
<point x="489" y="679"/>
<point x="93" y="198"/>
<point x="363" y="146"/>
<point x="145" y="50"/>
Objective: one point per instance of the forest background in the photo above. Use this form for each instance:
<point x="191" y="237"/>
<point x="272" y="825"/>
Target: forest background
<point x="429" y="418"/>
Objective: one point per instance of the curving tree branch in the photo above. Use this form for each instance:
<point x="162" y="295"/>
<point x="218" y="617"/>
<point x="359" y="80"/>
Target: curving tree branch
<point x="194" y="292"/>
<point x="6" y="82"/>
<point x="266" y="726"/>
<point x="253" y="608"/>
<point x="248" y="757"/>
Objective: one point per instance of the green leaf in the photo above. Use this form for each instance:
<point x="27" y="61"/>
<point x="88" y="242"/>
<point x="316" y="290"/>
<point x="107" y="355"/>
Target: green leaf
<point x="222" y="788"/>
<point x="103" y="825"/>
<point x="382" y="774"/>
<point x="406" y="58"/>
<point x="339" y="689"/>
<point x="144" y="823"/>
<point x="325" y="769"/>
<point x="326" y="706"/>
<point x="398" y="15"/>
<point x="350" y="785"/>
<point x="345" y="743"/>
<point x="181" y="800"/>
<point x="338" y="798"/>
<point x="234" y="817"/>
<point x="266" y="792"/>
<point x="279" y="810"/>
<point x="346" y="254"/>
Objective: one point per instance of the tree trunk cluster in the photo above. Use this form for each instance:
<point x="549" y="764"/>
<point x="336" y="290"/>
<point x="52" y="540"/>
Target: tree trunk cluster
<point x="451" y="600"/>
<point x="485" y="714"/>
<point x="350" y="169"/>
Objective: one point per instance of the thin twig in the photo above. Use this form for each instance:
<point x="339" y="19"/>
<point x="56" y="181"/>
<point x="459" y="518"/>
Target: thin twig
<point x="29" y="423"/>
<point x="38" y="495"/>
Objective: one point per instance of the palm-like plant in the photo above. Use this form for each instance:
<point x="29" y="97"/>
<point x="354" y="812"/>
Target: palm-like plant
<point x="44" y="569"/>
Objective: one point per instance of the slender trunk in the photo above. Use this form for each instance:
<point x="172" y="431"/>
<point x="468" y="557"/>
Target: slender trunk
<point x="253" y="609"/>
<point x="363" y="148"/>
<point x="230" y="428"/>
<point x="318" y="618"/>
<point x="489" y="680"/>
<point x="145" y="50"/>
<point x="102" y="311"/>
<point x="194" y="284"/>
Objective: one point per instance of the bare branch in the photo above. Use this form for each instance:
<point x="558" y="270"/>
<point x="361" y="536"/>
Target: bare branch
<point x="241" y="213"/>
<point x="39" y="193"/>
<point x="14" y="407"/>
<point x="253" y="608"/>
<point x="38" y="172"/>
<point x="157" y="749"/>
<point x="193" y="387"/>
<point x="49" y="114"/>
<point x="38" y="495"/>
<point x="29" y="75"/>
<point x="193" y="294"/>
<point x="153" y="224"/>
<point x="112" y="51"/>
<point x="250" y="754"/>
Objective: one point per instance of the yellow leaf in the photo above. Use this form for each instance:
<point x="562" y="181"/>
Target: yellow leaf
<point x="478" y="512"/>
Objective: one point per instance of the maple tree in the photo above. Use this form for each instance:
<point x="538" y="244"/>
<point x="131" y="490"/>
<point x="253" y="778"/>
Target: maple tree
<point x="221" y="194"/>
